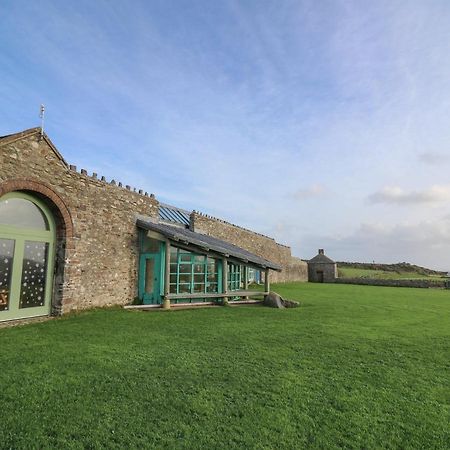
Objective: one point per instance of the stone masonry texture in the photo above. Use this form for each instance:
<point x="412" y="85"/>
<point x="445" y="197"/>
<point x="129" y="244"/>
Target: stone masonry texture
<point x="97" y="238"/>
<point x="100" y="250"/>
<point x="329" y="271"/>
<point x="294" y="269"/>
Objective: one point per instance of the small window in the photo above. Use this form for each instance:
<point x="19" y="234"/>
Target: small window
<point x="22" y="213"/>
<point x="150" y="245"/>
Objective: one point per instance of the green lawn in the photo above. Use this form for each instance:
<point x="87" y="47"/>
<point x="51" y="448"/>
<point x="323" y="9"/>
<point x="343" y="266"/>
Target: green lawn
<point x="353" y="272"/>
<point x="353" y="367"/>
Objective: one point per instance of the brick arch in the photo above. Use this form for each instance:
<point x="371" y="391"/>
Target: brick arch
<point x="64" y="233"/>
<point x="45" y="192"/>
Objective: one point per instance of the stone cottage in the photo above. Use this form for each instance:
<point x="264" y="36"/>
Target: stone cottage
<point x="69" y="240"/>
<point x="322" y="269"/>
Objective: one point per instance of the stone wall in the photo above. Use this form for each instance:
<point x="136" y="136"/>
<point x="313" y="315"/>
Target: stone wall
<point x="394" y="283"/>
<point x="329" y="271"/>
<point x="294" y="269"/>
<point x="97" y="237"/>
<point x="97" y="248"/>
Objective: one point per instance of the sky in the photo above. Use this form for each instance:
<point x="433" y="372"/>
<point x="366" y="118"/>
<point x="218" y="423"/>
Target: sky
<point x="321" y="123"/>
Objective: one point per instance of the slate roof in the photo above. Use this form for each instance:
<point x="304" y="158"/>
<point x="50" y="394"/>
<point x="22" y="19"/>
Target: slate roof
<point x="321" y="259"/>
<point x="173" y="214"/>
<point x="206" y="243"/>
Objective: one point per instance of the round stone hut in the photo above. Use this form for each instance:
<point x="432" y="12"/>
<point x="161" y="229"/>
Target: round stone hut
<point x="322" y="269"/>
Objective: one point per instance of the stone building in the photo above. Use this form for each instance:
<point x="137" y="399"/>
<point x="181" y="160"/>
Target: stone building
<point x="69" y="240"/>
<point x="322" y="269"/>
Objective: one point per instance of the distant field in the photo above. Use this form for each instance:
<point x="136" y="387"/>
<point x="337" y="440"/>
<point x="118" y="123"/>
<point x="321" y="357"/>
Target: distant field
<point x="350" y="272"/>
<point x="355" y="367"/>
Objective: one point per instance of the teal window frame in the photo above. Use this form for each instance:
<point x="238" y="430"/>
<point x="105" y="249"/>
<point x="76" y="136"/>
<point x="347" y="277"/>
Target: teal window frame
<point x="235" y="274"/>
<point x="185" y="262"/>
<point x="159" y="258"/>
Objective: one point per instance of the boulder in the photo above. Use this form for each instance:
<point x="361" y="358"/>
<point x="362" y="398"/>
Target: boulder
<point x="273" y="300"/>
<point x="290" y="304"/>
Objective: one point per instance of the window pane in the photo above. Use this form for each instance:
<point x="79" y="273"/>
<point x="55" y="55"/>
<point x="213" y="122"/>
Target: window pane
<point x="185" y="268"/>
<point x="173" y="278"/>
<point x="173" y="255"/>
<point x="185" y="277"/>
<point x="173" y="289"/>
<point x="149" y="275"/>
<point x="185" y="257"/>
<point x="212" y="287"/>
<point x="212" y="277"/>
<point x="34" y="272"/>
<point x="199" y="278"/>
<point x="6" y="262"/>
<point x="150" y="245"/>
<point x="185" y="288"/>
<point x="199" y="287"/>
<point x="199" y="259"/>
<point x="22" y="213"/>
<point x="199" y="268"/>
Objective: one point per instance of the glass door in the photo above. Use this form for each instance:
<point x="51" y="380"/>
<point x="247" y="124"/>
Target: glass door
<point x="150" y="279"/>
<point x="27" y="236"/>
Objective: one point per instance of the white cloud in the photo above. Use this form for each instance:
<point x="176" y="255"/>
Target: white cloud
<point x="241" y="108"/>
<point x="425" y="243"/>
<point x="396" y="195"/>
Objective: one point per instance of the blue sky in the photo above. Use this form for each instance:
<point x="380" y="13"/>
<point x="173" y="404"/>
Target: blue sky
<point x="320" y="123"/>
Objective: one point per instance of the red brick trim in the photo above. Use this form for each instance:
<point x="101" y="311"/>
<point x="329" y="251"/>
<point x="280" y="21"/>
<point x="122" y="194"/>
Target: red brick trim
<point x="25" y="184"/>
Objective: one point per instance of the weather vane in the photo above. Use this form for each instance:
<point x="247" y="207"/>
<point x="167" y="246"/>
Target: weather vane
<point x="41" y="115"/>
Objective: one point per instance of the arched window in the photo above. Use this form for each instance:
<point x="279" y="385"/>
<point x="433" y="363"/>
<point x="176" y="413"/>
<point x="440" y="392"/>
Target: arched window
<point x="22" y="213"/>
<point x="27" y="238"/>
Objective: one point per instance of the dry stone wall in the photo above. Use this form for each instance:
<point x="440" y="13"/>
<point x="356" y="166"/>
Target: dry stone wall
<point x="395" y="283"/>
<point x="294" y="269"/>
<point x="100" y="252"/>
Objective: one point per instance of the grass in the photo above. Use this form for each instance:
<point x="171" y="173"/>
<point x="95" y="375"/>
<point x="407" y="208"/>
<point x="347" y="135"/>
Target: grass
<point x="353" y="272"/>
<point x="353" y="367"/>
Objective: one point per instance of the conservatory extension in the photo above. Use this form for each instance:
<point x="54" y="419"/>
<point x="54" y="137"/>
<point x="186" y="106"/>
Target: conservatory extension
<point x="177" y="266"/>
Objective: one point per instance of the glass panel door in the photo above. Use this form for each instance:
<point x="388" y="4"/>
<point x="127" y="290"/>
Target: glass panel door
<point x="33" y="280"/>
<point x="149" y="275"/>
<point x="6" y="266"/>
<point x="27" y="236"/>
<point x="150" y="279"/>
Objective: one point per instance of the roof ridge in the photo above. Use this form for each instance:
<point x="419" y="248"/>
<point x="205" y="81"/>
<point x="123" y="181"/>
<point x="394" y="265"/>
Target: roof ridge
<point x="18" y="135"/>
<point x="10" y="138"/>
<point x="321" y="258"/>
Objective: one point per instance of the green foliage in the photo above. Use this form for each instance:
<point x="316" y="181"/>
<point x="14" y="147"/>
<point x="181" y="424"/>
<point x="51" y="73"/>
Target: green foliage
<point x="354" y="367"/>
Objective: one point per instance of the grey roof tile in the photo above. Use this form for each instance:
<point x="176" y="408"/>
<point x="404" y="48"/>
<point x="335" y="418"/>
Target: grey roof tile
<point x="207" y="243"/>
<point x="321" y="259"/>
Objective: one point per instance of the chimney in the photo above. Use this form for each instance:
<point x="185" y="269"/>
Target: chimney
<point x="321" y="251"/>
